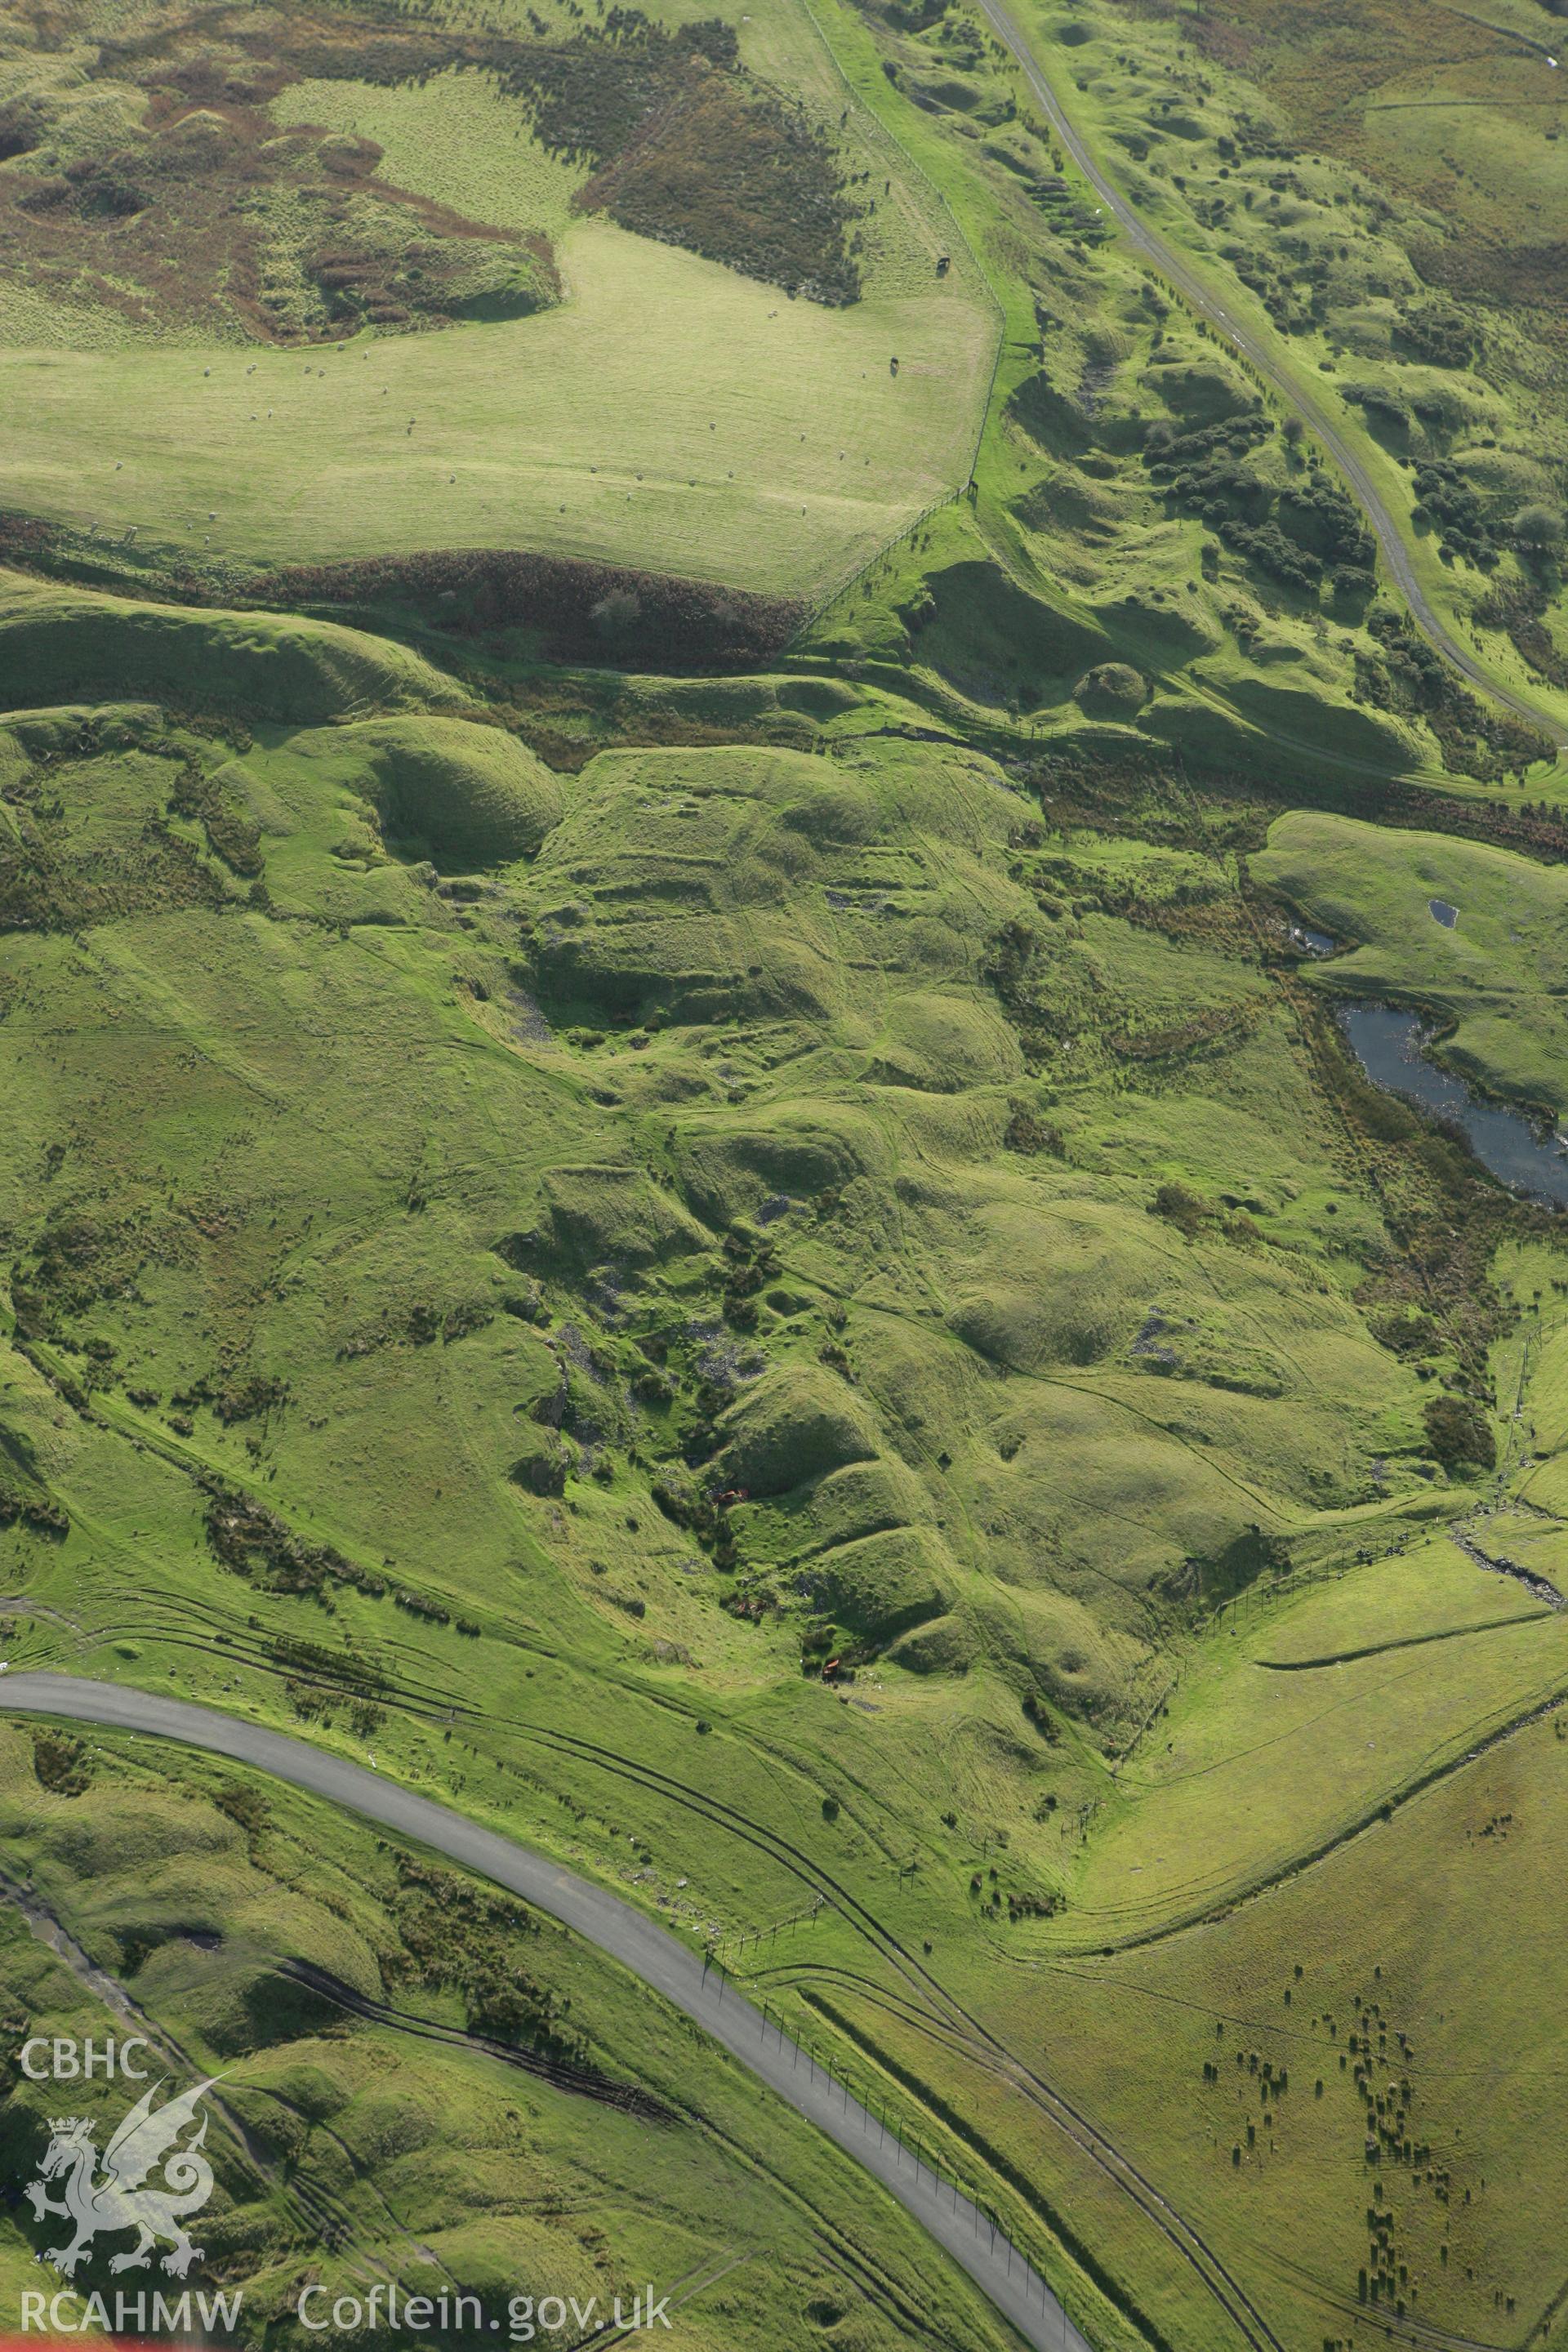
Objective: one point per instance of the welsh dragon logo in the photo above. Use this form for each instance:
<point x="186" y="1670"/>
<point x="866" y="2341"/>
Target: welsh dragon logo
<point x="114" y="2199"/>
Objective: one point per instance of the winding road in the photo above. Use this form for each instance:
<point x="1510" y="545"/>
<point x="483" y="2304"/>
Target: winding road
<point x="651" y="1953"/>
<point x="1171" y="264"/>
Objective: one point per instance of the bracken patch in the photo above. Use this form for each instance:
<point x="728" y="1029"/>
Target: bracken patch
<point x="205" y="215"/>
<point x="579" y="612"/>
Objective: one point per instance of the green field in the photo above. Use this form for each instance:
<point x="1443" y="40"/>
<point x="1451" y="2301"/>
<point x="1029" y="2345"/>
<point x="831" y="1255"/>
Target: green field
<point x="1437" y="1919"/>
<point x="600" y="428"/>
<point x="1294" y="1729"/>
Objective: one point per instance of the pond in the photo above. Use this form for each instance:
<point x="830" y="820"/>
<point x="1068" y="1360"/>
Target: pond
<point x="1391" y="1047"/>
<point x="1441" y="912"/>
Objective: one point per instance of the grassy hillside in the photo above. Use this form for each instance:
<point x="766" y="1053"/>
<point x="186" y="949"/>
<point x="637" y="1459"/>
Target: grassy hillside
<point x="419" y="2080"/>
<point x="675" y="1157"/>
<point x="762" y="1017"/>
<point x="834" y="1302"/>
<point x="665" y="379"/>
<point x="1374" y="192"/>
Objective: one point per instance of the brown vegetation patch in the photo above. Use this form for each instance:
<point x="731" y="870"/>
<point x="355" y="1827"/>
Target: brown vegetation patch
<point x="482" y="600"/>
<point x="1319" y="68"/>
<point x="742" y="180"/>
<point x="577" y="612"/>
<point x="1513" y="277"/>
<point x="178" y="201"/>
<point x="160" y="235"/>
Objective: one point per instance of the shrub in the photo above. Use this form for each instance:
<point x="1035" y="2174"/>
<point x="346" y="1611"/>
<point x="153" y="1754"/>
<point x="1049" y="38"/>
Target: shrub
<point x="1457" y="1432"/>
<point x="1030" y="1135"/>
<point x="734" y="174"/>
<point x="1181" y="1207"/>
<point x="37" y="1511"/>
<point x="616" y="612"/>
<point x="60" y="1763"/>
<point x="543" y="1473"/>
<point x="1539" y="525"/>
<point x="1114" y="689"/>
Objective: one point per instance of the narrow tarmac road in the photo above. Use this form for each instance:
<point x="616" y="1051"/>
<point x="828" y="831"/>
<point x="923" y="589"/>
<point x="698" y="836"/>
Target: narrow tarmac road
<point x="649" y="1951"/>
<point x="1166" y="258"/>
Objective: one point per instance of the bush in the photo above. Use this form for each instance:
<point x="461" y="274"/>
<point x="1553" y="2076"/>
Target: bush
<point x="543" y="1473"/>
<point x="1179" y="1207"/>
<point x="40" y="1512"/>
<point x="1113" y="690"/>
<point x="1030" y="1135"/>
<point x="1539" y="525"/>
<point x="60" y="1763"/>
<point x="1437" y="332"/>
<point x="1456" y="1433"/>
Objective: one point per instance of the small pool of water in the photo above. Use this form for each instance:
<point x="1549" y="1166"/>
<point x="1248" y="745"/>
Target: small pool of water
<point x="1311" y="942"/>
<point x="1443" y="913"/>
<point x="1391" y="1047"/>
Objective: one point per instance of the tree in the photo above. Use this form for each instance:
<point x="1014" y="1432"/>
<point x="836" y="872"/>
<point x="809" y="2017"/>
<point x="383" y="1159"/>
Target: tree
<point x="1539" y="525"/>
